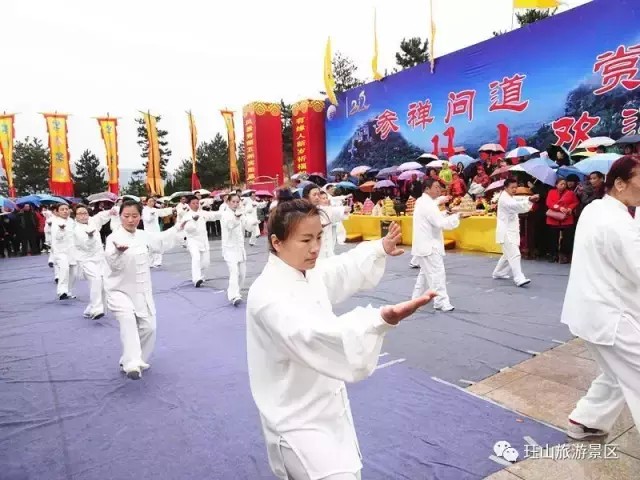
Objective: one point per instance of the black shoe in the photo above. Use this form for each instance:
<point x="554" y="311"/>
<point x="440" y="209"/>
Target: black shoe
<point x="134" y="375"/>
<point x="199" y="283"/>
<point x="50" y="264"/>
<point x="64" y="296"/>
<point x="97" y="317"/>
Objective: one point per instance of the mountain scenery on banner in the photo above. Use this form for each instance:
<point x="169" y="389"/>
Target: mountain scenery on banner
<point x="549" y="83"/>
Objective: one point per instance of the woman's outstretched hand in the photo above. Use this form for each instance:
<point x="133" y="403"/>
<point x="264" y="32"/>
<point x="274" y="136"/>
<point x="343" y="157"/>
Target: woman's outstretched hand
<point x="392" y="239"/>
<point x="393" y="314"/>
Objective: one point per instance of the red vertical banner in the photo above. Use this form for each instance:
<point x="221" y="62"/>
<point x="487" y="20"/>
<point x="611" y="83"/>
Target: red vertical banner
<point x="309" y="142"/>
<point x="262" y="142"/>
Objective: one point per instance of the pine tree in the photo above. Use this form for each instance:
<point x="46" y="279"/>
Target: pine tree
<point x="344" y="73"/>
<point x="89" y="177"/>
<point x="213" y="162"/>
<point x="181" y="178"/>
<point x="240" y="155"/>
<point x="136" y="185"/>
<point x="412" y="52"/>
<point x="31" y="166"/>
<point x="143" y="141"/>
<point x="528" y="17"/>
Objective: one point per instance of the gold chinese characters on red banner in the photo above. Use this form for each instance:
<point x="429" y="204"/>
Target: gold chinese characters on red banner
<point x="262" y="142"/>
<point x="309" y="147"/>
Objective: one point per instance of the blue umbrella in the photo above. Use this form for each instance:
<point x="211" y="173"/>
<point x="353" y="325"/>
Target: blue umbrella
<point x="598" y="163"/>
<point x="564" y="172"/>
<point x="347" y="185"/>
<point x="40" y="198"/>
<point x="6" y="203"/>
<point x="521" y="152"/>
<point x="465" y="160"/>
<point x="539" y="170"/>
<point x="338" y="170"/>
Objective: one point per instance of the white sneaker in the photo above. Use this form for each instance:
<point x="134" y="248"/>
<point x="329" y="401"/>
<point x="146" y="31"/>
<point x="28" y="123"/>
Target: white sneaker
<point x="501" y="277"/>
<point x="446" y="308"/>
<point x="524" y="282"/>
<point x="236" y="301"/>
<point x="411" y="265"/>
<point x="578" y="431"/>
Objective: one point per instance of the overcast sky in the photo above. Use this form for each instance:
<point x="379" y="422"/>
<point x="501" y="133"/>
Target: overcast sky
<point x="87" y="58"/>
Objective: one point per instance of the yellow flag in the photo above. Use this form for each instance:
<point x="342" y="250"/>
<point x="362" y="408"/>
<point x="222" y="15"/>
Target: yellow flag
<point x="154" y="178"/>
<point x="234" y="174"/>
<point x="374" y="60"/>
<point x="194" y="140"/>
<point x="60" y="182"/>
<point x="432" y="40"/>
<point x="108" y="130"/>
<point x="536" y="3"/>
<point x="329" y="81"/>
<point x="7" y="135"/>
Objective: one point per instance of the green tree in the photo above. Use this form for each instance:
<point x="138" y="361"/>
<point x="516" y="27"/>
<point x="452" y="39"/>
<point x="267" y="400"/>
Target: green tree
<point x="412" y="52"/>
<point x="31" y="166"/>
<point x="180" y="180"/>
<point x="344" y="73"/>
<point x="165" y="152"/>
<point x="4" y="186"/>
<point x="213" y="162"/>
<point x="287" y="133"/>
<point x="136" y="185"/>
<point x="89" y="176"/>
<point x="528" y="17"/>
<point x="240" y="155"/>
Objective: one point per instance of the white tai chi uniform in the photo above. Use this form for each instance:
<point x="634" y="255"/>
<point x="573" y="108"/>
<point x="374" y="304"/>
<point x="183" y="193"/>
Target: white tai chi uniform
<point x="300" y="354"/>
<point x="150" y="218"/>
<point x="339" y="232"/>
<point x="64" y="254"/>
<point x="428" y="249"/>
<point x="49" y="216"/>
<point x="602" y="306"/>
<point x="128" y="288"/>
<point x="181" y="210"/>
<point x="414" y="262"/>
<point x="90" y="256"/>
<point x="233" y="251"/>
<point x="198" y="241"/>
<point x="114" y="222"/>
<point x="330" y="217"/>
<point x="508" y="235"/>
<point x="251" y="216"/>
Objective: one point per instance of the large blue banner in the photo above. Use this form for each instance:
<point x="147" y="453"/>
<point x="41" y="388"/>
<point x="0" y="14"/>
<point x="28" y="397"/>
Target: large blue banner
<point x="558" y="81"/>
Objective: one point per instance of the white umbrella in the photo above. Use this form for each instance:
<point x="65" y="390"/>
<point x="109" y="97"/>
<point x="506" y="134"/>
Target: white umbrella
<point x="436" y="163"/>
<point x="180" y="194"/>
<point x="521" y="152"/>
<point x="428" y="156"/>
<point x="202" y="191"/>
<point x="360" y="170"/>
<point x="409" y="166"/>
<point x="597" y="142"/>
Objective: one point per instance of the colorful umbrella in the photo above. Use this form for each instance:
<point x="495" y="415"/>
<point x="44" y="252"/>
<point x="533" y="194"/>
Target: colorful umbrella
<point x="385" y="184"/>
<point x="583" y="154"/>
<point x="6" y="203"/>
<point x="386" y="172"/>
<point x="522" y="152"/>
<point x="263" y="193"/>
<point x="598" y="163"/>
<point x="463" y="159"/>
<point x="347" y="185"/>
<point x="409" y="173"/>
<point x="538" y="169"/>
<point x="102" y="197"/>
<point x="491" y="147"/>
<point x="338" y="170"/>
<point x="367" y="186"/>
<point x="564" y="172"/>
<point x="627" y="139"/>
<point x="427" y="157"/>
<point x="495" y="185"/>
<point x="409" y="166"/>
<point x="501" y="170"/>
<point x="436" y="163"/>
<point x="360" y="170"/>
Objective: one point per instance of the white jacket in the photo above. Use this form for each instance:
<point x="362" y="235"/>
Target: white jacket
<point x="428" y="224"/>
<point x="62" y="239"/>
<point x="127" y="279"/>
<point x="90" y="248"/>
<point x="508" y="222"/>
<point x="115" y="223"/>
<point x="151" y="216"/>
<point x="604" y="281"/>
<point x="330" y="216"/>
<point x="300" y="354"/>
<point x="251" y="212"/>
<point x="233" y="228"/>
<point x="196" y="230"/>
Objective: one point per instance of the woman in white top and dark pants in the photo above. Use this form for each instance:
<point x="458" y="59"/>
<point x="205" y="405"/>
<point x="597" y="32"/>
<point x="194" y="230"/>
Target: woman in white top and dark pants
<point x="602" y="303"/>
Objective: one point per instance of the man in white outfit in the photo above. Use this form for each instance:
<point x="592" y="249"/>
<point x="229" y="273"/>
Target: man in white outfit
<point x="508" y="232"/>
<point x="194" y="222"/>
<point x="251" y="206"/>
<point x="151" y="220"/>
<point x="428" y="244"/>
<point x="233" y="224"/>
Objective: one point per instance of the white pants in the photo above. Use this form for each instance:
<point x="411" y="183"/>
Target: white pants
<point x="255" y="233"/>
<point x="237" y="274"/>
<point x="618" y="383"/>
<point x="414" y="262"/>
<point x="510" y="262"/>
<point x="296" y="471"/>
<point x="66" y="274"/>
<point x="340" y="234"/>
<point x="432" y="276"/>
<point x="92" y="271"/>
<point x="199" y="260"/>
<point x="47" y="241"/>
<point x="138" y="338"/>
<point x="155" y="259"/>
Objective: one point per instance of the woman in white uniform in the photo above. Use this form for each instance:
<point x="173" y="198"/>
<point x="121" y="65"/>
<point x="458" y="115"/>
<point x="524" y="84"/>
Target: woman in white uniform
<point x="49" y="215"/>
<point x="251" y="206"/>
<point x="90" y="256"/>
<point x="150" y="218"/>
<point x="234" y="223"/>
<point x="332" y="216"/>
<point x="128" y="288"/>
<point x="301" y="354"/>
<point x="64" y="250"/>
<point x="602" y="303"/>
<point x="194" y="223"/>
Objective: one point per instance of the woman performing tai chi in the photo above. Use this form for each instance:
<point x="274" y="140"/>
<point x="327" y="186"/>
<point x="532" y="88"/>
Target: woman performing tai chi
<point x="128" y="285"/>
<point x="64" y="250"/>
<point x="300" y="353"/>
<point x="234" y="222"/>
<point x="194" y="222"/>
<point x="90" y="255"/>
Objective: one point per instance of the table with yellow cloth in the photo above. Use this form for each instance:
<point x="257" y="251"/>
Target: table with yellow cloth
<point x="476" y="234"/>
